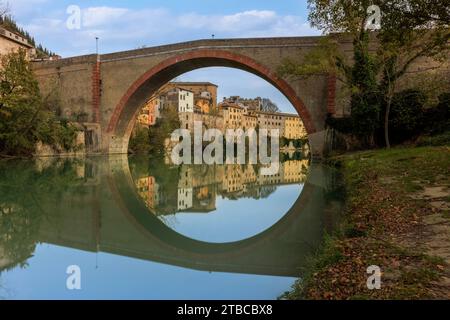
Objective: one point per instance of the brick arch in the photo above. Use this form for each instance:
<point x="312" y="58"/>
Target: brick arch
<point x="210" y="58"/>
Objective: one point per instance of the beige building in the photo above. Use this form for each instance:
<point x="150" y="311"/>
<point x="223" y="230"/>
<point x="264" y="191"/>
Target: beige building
<point x="10" y="41"/>
<point x="232" y="116"/>
<point x="205" y="94"/>
<point x="271" y="121"/>
<point x="236" y="115"/>
<point x="249" y="121"/>
<point x="186" y="97"/>
<point x="188" y="119"/>
<point x="293" y="127"/>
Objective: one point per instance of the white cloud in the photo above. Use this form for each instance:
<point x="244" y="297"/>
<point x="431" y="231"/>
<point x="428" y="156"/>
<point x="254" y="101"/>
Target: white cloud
<point x="101" y="16"/>
<point x="123" y="29"/>
<point x="21" y="8"/>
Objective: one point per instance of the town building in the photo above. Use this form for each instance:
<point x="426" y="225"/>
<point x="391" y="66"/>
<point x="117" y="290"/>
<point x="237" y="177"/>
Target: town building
<point x="245" y="114"/>
<point x="150" y="112"/>
<point x="232" y="115"/>
<point x="188" y="119"/>
<point x="271" y="121"/>
<point x="181" y="99"/>
<point x="293" y="127"/>
<point x="205" y="94"/>
<point x="186" y="97"/>
<point x="10" y="42"/>
<point x="248" y="104"/>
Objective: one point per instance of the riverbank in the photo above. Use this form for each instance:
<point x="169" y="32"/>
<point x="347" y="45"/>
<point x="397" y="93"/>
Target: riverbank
<point x="397" y="217"/>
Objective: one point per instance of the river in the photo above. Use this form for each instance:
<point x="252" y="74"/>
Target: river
<point x="138" y="228"/>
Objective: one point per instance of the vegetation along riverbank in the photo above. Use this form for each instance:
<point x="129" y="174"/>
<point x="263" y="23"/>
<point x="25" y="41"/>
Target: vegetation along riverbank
<point x="397" y="217"/>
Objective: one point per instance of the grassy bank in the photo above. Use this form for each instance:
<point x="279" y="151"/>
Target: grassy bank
<point x="397" y="217"/>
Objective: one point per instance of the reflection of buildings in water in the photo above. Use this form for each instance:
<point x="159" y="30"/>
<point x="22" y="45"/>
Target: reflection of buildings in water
<point x="4" y="260"/>
<point x="148" y="190"/>
<point x="294" y="171"/>
<point x="199" y="185"/>
<point x="185" y="198"/>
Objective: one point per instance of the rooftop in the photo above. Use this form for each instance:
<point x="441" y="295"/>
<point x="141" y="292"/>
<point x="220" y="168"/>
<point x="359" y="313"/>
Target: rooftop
<point x="14" y="37"/>
<point x="186" y="83"/>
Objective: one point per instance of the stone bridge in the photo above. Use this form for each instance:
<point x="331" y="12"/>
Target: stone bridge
<point x="105" y="92"/>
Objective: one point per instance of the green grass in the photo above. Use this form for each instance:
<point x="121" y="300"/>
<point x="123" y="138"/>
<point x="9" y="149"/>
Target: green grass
<point x="378" y="185"/>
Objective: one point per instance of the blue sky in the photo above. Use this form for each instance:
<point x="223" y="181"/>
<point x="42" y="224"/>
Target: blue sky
<point x="125" y="25"/>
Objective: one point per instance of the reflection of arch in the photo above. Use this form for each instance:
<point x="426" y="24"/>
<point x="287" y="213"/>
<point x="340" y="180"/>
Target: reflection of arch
<point x="123" y="189"/>
<point x="121" y="123"/>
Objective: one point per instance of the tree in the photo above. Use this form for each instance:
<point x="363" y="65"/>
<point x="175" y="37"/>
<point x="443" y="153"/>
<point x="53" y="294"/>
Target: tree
<point x="410" y="30"/>
<point x="25" y="117"/>
<point x="269" y="106"/>
<point x="358" y="76"/>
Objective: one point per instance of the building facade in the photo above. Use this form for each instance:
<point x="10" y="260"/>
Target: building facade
<point x="205" y="94"/>
<point x="186" y="97"/>
<point x="246" y="114"/>
<point x="293" y="127"/>
<point x="150" y="112"/>
<point x="10" y="42"/>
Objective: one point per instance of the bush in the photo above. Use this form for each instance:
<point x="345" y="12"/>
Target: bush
<point x="407" y="115"/>
<point x="437" y="119"/>
<point x="140" y="141"/>
<point x="25" y="118"/>
<point x="437" y="140"/>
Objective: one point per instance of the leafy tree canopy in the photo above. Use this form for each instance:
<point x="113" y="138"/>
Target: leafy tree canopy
<point x="25" y="117"/>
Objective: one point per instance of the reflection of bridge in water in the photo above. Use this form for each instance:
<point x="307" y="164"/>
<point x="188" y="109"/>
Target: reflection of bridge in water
<point x="106" y="214"/>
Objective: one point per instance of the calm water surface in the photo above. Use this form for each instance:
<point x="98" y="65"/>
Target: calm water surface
<point x="141" y="229"/>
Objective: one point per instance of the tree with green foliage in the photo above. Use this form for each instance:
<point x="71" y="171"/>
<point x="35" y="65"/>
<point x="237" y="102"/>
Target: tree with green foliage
<point x="407" y="115"/>
<point x="25" y="117"/>
<point x="268" y="105"/>
<point x="410" y="30"/>
<point x="165" y="125"/>
<point x="152" y="140"/>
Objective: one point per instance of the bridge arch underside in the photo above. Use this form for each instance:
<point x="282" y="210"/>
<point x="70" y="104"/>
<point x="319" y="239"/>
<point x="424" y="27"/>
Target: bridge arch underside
<point x="123" y="118"/>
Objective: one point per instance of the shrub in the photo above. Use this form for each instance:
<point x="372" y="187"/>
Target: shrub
<point x="437" y="119"/>
<point x="25" y="118"/>
<point x="407" y="115"/>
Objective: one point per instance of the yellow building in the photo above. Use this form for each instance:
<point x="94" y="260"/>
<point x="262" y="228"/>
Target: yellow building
<point x="149" y="113"/>
<point x="271" y="121"/>
<point x="232" y="116"/>
<point x="249" y="121"/>
<point x="293" y="127"/>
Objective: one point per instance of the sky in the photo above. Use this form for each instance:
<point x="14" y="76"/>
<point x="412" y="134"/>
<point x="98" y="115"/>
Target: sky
<point x="125" y="25"/>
